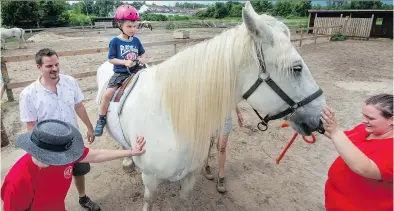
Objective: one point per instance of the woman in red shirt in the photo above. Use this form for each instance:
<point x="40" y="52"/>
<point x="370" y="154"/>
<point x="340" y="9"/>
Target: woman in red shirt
<point x="361" y="178"/>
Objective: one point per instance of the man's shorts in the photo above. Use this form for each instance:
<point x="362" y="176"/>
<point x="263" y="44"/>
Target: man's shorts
<point x="228" y="127"/>
<point x="117" y="79"/>
<point x="80" y="169"/>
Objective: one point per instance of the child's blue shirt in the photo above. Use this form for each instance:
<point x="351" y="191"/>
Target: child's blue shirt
<point x="125" y="50"/>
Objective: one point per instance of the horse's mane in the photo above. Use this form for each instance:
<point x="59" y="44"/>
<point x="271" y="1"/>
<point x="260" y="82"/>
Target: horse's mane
<point x="199" y="84"/>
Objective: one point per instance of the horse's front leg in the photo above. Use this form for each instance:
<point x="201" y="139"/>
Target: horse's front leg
<point x="128" y="165"/>
<point x="151" y="183"/>
<point x="3" y="44"/>
<point x="186" y="194"/>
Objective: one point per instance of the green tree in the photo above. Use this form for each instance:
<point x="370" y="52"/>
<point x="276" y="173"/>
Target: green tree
<point x="236" y="11"/>
<point x="54" y="13"/>
<point x="283" y="8"/>
<point x="301" y="8"/>
<point x="221" y="10"/>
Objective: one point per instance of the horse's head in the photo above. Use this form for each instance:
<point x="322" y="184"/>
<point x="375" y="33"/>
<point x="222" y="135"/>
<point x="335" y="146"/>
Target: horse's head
<point x="276" y="80"/>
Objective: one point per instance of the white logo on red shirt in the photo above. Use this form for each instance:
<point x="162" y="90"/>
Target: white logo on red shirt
<point x="68" y="172"/>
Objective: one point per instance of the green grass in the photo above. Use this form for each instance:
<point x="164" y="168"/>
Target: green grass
<point x="11" y="40"/>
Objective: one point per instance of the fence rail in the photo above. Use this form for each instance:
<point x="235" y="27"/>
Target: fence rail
<point x="352" y="27"/>
<point x="7" y="86"/>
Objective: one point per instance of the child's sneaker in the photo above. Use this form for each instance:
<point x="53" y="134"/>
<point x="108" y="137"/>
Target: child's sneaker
<point x="99" y="127"/>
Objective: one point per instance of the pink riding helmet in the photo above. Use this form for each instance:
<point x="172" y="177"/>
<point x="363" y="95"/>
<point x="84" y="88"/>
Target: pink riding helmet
<point x="126" y="12"/>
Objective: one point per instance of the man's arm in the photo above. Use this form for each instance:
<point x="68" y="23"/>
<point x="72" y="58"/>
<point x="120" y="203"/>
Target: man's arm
<point x="27" y="111"/>
<point x="83" y="115"/>
<point x="81" y="111"/>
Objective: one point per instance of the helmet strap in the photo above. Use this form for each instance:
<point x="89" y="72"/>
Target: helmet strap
<point x="120" y="28"/>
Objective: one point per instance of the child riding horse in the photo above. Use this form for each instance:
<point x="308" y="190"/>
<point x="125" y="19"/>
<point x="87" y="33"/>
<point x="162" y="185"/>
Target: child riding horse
<point x="125" y="52"/>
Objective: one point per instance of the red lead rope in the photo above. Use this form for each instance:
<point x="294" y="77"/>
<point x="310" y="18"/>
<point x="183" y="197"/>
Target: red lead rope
<point x="291" y="142"/>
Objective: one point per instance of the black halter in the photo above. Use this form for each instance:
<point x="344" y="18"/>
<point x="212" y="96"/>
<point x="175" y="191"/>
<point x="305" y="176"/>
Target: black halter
<point x="263" y="125"/>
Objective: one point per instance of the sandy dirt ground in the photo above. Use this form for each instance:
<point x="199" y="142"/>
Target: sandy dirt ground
<point x="348" y="72"/>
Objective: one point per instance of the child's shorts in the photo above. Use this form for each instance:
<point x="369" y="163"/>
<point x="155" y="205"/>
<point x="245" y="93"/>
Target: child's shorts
<point x="117" y="79"/>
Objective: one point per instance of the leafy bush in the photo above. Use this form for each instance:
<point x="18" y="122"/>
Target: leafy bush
<point x="338" y="37"/>
<point x="153" y="17"/>
<point x="177" y="17"/>
<point x="77" y="19"/>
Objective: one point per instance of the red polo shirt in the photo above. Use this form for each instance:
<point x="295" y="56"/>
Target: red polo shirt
<point x="348" y="191"/>
<point x="28" y="187"/>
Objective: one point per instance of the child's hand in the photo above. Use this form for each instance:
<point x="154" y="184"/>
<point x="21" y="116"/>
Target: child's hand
<point x="138" y="148"/>
<point x="129" y="63"/>
<point x="143" y="60"/>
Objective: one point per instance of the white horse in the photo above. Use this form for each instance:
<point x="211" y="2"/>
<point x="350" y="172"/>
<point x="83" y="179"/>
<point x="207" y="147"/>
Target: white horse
<point x="178" y="104"/>
<point x="17" y="33"/>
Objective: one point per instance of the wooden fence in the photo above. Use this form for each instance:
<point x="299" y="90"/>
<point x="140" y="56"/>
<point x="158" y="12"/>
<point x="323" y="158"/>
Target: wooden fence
<point x="7" y="86"/>
<point x="352" y="27"/>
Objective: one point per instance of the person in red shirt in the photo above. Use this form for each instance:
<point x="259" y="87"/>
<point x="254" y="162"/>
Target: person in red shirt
<point x="40" y="180"/>
<point x="361" y="178"/>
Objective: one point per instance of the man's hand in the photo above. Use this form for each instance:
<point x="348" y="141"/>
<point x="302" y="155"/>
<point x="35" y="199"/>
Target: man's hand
<point x="90" y="136"/>
<point x="138" y="148"/>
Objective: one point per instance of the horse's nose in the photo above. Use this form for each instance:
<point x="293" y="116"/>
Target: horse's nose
<point x="320" y="128"/>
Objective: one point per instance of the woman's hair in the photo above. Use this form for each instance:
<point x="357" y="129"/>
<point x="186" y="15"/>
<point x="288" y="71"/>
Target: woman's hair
<point x="383" y="102"/>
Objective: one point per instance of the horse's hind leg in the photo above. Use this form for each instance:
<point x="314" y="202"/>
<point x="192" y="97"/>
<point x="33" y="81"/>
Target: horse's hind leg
<point x="151" y="183"/>
<point x="186" y="194"/>
<point x="23" y="42"/>
<point x="207" y="170"/>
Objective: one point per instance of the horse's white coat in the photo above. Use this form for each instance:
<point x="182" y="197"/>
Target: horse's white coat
<point x="230" y="67"/>
<point x="17" y="33"/>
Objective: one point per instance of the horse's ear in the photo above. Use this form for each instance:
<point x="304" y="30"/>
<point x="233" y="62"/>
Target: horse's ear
<point x="249" y="21"/>
<point x="249" y="7"/>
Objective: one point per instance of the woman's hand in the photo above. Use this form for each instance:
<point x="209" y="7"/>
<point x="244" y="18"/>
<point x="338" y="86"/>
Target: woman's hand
<point x="329" y="123"/>
<point x="138" y="148"/>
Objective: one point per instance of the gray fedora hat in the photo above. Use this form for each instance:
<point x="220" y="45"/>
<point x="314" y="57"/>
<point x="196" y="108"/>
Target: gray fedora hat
<point x="52" y="142"/>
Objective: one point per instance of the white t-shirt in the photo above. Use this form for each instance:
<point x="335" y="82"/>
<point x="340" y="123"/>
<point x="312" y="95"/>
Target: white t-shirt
<point x="36" y="103"/>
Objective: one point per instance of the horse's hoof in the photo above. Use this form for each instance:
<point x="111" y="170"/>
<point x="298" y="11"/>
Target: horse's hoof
<point x="208" y="173"/>
<point x="128" y="166"/>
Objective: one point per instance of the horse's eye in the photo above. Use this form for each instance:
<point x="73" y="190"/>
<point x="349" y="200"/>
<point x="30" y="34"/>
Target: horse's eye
<point x="297" y="68"/>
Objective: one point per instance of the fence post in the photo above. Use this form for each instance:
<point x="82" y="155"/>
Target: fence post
<point x="345" y="25"/>
<point x="5" y="80"/>
<point x="4" y="136"/>
<point x="370" y="28"/>
<point x="316" y="32"/>
<point x="175" y="48"/>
